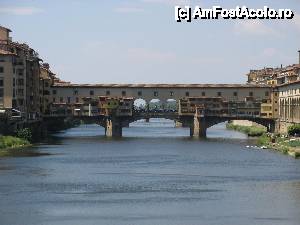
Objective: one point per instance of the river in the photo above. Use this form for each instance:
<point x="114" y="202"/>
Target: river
<point x="154" y="175"/>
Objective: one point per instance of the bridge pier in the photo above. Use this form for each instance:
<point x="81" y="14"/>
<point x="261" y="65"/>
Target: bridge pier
<point x="113" y="128"/>
<point x="198" y="127"/>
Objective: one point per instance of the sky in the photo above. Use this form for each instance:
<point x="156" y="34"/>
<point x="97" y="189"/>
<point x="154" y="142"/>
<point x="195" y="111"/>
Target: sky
<point x="139" y="41"/>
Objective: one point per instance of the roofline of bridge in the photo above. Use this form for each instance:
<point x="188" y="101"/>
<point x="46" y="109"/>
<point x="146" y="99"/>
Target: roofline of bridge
<point x="66" y="85"/>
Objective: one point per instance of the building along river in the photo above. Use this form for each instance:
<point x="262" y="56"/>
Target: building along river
<point x="155" y="174"/>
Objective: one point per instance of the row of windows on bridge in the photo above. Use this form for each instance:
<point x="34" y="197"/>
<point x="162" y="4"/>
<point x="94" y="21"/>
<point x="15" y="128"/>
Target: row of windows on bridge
<point x="155" y="93"/>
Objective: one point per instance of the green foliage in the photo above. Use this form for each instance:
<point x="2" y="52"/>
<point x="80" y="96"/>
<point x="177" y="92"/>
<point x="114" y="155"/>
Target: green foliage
<point x="294" y="129"/>
<point x="263" y="140"/>
<point x="11" y="142"/>
<point x="251" y="131"/>
<point x="283" y="149"/>
<point x="295" y="143"/>
<point x="25" y="134"/>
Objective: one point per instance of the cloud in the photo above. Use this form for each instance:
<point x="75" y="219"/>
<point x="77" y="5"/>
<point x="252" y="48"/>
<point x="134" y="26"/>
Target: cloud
<point x="269" y="52"/>
<point x="252" y="27"/>
<point x="128" y="10"/>
<point x="21" y="11"/>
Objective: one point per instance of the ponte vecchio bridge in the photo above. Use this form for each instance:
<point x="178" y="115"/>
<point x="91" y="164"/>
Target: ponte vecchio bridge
<point x="198" y="106"/>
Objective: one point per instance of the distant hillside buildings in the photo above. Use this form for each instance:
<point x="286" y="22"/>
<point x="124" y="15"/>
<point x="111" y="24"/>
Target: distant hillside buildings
<point x="275" y="76"/>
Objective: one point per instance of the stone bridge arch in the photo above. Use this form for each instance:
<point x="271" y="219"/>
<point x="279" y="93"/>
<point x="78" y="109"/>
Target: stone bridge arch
<point x="268" y="123"/>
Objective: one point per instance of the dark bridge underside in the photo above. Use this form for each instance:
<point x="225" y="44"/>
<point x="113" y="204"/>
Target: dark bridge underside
<point x="198" y="125"/>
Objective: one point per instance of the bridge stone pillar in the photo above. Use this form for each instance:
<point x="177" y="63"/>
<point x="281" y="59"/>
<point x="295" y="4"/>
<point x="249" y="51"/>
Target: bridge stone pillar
<point x="198" y="128"/>
<point x="272" y="127"/>
<point x="113" y="128"/>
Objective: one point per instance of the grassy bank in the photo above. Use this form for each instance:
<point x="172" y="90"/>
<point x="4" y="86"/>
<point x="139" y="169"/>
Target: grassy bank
<point x="8" y="143"/>
<point x="283" y="144"/>
<point x="252" y="131"/>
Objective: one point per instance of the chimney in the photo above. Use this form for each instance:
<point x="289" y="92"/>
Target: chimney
<point x="299" y="57"/>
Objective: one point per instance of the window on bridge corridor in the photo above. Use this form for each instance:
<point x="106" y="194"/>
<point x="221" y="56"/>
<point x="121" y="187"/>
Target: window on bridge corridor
<point x="91" y="92"/>
<point x="203" y="93"/>
<point x="171" y="93"/>
<point x="123" y="93"/>
<point x="140" y="93"/>
<point x="251" y="93"/>
<point x="187" y="94"/>
<point x="235" y="93"/>
<point x="266" y="93"/>
<point x="75" y="92"/>
<point x="107" y="92"/>
<point x="155" y="93"/>
<point x="219" y="94"/>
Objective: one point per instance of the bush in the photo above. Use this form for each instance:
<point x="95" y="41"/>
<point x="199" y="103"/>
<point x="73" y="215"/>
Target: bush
<point x="294" y="130"/>
<point x="9" y="142"/>
<point x="252" y="131"/>
<point x="263" y="140"/>
<point x="25" y="134"/>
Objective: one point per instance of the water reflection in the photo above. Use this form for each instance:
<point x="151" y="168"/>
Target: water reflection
<point x="154" y="175"/>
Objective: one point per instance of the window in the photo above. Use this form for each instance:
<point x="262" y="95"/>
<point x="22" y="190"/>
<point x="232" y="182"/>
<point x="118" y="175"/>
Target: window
<point x="219" y="94"/>
<point x="54" y="92"/>
<point x="53" y="99"/>
<point x="275" y="94"/>
<point x="123" y="93"/>
<point x="266" y="93"/>
<point x="187" y="94"/>
<point x="235" y="93"/>
<point x="140" y="93"/>
<point x="46" y="84"/>
<point x="20" y="92"/>
<point x="155" y="93"/>
<point x="1" y="82"/>
<point x="20" y="72"/>
<point x="107" y="92"/>
<point x="251" y="93"/>
<point x="1" y="69"/>
<point x="203" y="93"/>
<point x="75" y="92"/>
<point x="91" y="92"/>
<point x="61" y="99"/>
<point x="77" y="99"/>
<point x="171" y="93"/>
<point x="69" y="100"/>
<point x="1" y="93"/>
<point x="20" y="82"/>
